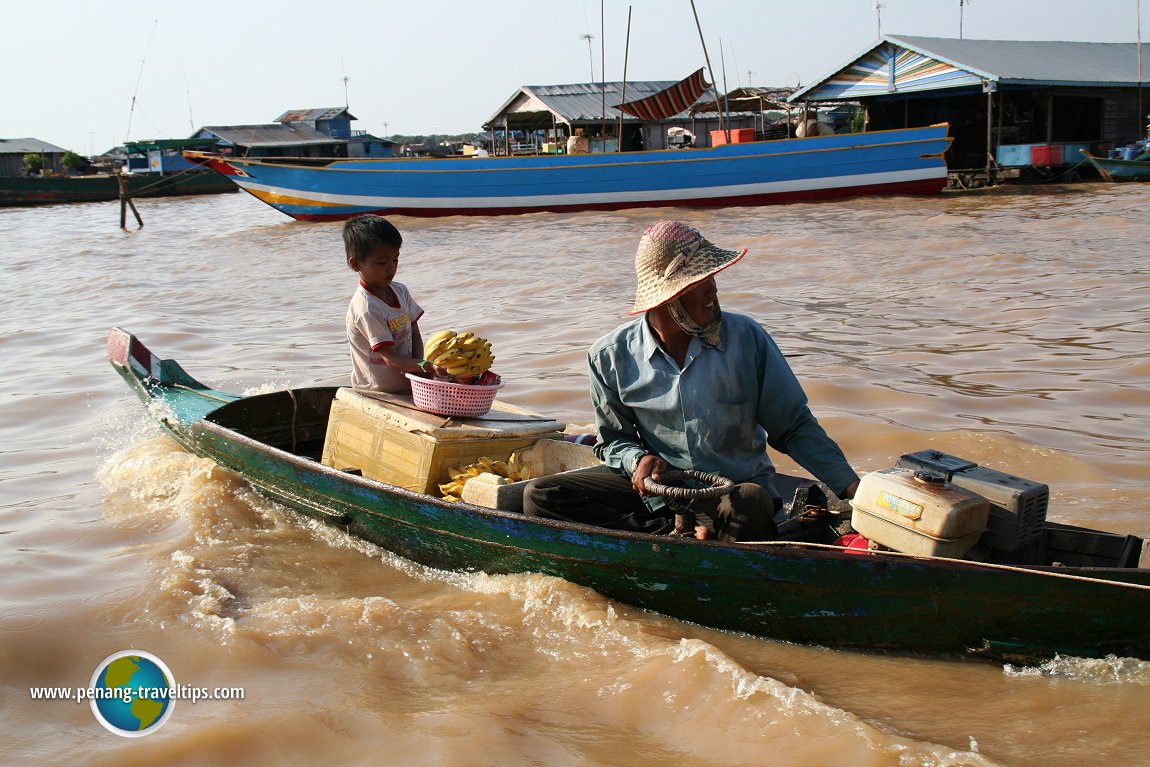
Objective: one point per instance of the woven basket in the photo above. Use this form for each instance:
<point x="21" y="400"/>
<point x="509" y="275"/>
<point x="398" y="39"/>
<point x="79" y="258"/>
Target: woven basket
<point x="445" y="398"/>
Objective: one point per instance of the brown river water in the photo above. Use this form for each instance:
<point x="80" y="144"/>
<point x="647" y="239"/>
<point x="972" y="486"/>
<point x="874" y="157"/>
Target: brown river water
<point x="1008" y="328"/>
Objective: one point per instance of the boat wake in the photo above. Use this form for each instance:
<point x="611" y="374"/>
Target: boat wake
<point x="1111" y="670"/>
<point x="244" y="572"/>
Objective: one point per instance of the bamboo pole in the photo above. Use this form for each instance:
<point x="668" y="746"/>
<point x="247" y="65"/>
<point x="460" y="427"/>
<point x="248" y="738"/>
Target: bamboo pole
<point x="623" y="99"/>
<point x="707" y="58"/>
<point x="602" y="74"/>
<point x="1138" y="26"/>
<point x="726" y="102"/>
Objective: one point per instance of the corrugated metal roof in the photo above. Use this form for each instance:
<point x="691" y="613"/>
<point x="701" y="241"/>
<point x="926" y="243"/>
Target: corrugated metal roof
<point x="583" y="102"/>
<point x="270" y="135"/>
<point x="28" y="146"/>
<point x="311" y="115"/>
<point x="902" y="63"/>
<point x="1034" y="61"/>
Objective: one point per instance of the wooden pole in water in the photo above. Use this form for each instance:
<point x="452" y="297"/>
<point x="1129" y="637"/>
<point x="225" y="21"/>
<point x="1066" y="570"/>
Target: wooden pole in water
<point x="135" y="212"/>
<point x="126" y="202"/>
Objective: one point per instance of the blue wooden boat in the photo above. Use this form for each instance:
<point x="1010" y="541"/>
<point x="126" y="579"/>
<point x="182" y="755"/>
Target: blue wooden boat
<point x="1120" y="170"/>
<point x="797" y="589"/>
<point x="908" y="161"/>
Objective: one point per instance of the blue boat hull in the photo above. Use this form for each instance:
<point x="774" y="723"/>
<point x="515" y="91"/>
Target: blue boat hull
<point x="906" y="161"/>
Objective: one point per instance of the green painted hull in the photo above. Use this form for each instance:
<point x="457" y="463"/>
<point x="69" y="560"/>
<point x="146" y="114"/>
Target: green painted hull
<point x="789" y="591"/>
<point x="1120" y="170"/>
<point x="23" y="190"/>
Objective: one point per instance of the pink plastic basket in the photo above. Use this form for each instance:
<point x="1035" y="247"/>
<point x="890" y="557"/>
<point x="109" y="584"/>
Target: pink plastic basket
<point x="444" y="398"/>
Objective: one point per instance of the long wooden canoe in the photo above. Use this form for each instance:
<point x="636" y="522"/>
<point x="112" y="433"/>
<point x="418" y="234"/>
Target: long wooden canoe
<point x="793" y="590"/>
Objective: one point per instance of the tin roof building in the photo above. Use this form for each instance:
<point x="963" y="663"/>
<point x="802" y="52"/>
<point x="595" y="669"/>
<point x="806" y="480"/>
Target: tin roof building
<point x="1060" y="96"/>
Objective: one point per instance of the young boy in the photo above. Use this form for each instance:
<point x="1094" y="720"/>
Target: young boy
<point x="382" y="318"/>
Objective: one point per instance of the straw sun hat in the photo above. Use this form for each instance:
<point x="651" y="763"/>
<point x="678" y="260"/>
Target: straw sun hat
<point x="671" y="258"/>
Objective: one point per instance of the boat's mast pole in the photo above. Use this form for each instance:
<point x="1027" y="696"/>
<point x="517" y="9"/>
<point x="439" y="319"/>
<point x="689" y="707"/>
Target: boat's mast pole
<point x="726" y="104"/>
<point x="623" y="99"/>
<point x="602" y="74"/>
<point x="707" y="58"/>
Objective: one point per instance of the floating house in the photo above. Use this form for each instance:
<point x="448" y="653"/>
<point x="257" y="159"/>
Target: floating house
<point x="539" y="118"/>
<point x="13" y="150"/>
<point x="1021" y="103"/>
<point x="298" y="133"/>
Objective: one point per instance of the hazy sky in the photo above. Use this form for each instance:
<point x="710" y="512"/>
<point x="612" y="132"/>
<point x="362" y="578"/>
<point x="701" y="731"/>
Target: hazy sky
<point x="71" y="70"/>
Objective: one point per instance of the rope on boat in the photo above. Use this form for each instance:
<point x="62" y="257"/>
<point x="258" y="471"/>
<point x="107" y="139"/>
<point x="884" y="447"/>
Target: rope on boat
<point x="987" y="565"/>
<point x="164" y="180"/>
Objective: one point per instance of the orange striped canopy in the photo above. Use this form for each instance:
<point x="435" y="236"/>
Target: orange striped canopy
<point x="669" y="102"/>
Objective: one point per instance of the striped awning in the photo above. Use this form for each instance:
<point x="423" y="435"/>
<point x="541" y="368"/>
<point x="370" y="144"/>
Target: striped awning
<point x="669" y="102"/>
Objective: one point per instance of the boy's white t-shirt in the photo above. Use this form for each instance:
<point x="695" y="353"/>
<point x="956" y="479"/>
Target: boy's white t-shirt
<point x="373" y="323"/>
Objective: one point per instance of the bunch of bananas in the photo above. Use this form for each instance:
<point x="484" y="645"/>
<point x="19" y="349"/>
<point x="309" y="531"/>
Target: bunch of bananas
<point x="463" y="355"/>
<point x="510" y="470"/>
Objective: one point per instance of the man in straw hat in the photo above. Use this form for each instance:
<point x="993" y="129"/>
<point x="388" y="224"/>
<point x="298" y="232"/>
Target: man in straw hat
<point x="685" y="387"/>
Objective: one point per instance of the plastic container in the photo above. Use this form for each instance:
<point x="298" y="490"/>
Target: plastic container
<point x="1073" y="152"/>
<point x="446" y="398"/>
<point x="1012" y="155"/>
<point x="918" y="513"/>
<point x="738" y="136"/>
<point x="1045" y="155"/>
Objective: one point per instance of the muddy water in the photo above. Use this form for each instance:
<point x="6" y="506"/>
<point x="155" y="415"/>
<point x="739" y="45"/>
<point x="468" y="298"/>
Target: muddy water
<point x="1009" y="328"/>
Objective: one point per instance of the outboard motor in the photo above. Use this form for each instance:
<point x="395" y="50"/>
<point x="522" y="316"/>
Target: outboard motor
<point x="1015" y="529"/>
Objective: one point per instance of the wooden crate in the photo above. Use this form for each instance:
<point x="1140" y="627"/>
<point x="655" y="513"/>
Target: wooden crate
<point x="385" y="437"/>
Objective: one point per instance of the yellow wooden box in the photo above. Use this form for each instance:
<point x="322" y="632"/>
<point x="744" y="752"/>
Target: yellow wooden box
<point x="385" y="437"/>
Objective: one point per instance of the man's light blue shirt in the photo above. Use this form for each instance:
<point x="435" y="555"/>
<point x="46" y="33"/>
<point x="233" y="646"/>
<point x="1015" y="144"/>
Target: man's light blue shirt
<point x="716" y="415"/>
